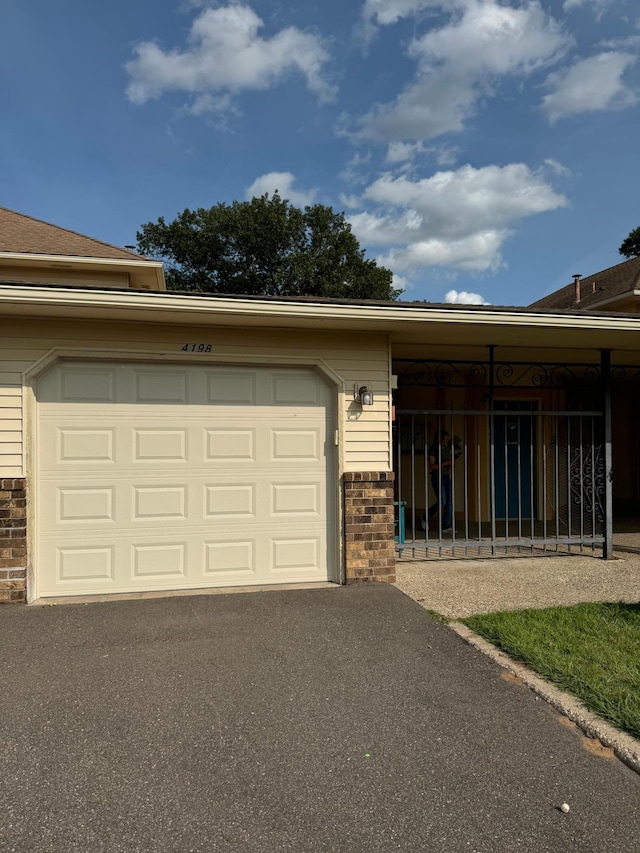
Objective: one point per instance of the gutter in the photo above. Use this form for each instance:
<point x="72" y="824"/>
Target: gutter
<point x="63" y="260"/>
<point x="178" y="306"/>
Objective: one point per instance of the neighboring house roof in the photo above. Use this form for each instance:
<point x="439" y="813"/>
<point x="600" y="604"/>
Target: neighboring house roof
<point x="21" y="234"/>
<point x="596" y="289"/>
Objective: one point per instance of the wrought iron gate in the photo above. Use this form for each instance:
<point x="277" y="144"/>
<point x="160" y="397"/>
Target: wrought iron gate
<point x="508" y="476"/>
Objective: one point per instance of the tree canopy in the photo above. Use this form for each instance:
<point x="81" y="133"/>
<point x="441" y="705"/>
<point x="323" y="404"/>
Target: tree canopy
<point x="265" y="247"/>
<point x="630" y="247"/>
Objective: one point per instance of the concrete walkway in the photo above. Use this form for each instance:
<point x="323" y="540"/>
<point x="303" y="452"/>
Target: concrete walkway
<point x="459" y="588"/>
<point x="340" y="719"/>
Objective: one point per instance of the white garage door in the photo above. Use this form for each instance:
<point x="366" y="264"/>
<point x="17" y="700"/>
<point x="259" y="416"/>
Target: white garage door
<point x="156" y="477"/>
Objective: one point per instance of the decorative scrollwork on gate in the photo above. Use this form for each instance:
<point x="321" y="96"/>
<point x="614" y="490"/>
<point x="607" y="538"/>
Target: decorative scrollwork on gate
<point x="445" y="374"/>
<point x="587" y="484"/>
<point x="627" y="374"/>
<point x="506" y="374"/>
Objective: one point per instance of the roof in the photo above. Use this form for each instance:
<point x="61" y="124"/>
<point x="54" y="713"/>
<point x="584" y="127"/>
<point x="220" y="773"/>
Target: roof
<point x="21" y="234"/>
<point x="595" y="289"/>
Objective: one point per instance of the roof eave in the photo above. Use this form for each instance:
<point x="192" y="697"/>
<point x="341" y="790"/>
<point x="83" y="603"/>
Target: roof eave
<point x="185" y="305"/>
<point x="134" y="266"/>
<point x="625" y="294"/>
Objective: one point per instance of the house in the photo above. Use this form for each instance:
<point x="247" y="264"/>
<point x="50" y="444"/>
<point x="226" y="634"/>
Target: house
<point x="153" y="440"/>
<point x="614" y="289"/>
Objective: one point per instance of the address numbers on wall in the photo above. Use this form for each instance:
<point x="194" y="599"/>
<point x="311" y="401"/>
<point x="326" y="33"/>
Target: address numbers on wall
<point x="196" y="348"/>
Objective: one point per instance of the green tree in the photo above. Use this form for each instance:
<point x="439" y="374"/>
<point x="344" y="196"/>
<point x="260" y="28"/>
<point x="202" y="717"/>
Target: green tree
<point x="265" y="247"/>
<point x="630" y="247"/>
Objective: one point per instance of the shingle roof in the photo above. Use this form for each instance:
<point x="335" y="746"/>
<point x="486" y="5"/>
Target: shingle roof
<point x="24" y="234"/>
<point x="614" y="281"/>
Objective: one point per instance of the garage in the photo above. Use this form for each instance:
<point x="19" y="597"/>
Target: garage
<point x="156" y="476"/>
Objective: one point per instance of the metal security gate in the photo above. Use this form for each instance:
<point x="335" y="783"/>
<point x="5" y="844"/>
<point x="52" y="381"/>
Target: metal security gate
<point x="510" y="476"/>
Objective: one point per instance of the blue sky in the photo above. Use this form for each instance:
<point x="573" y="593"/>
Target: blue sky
<point x="485" y="147"/>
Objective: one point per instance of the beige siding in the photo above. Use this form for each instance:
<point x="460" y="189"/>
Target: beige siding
<point x="356" y="358"/>
<point x="65" y="277"/>
<point x="11" y="427"/>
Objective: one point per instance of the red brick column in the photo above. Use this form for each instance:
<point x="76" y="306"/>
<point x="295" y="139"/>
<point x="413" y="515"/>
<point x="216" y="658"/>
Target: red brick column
<point x="13" y="540"/>
<point x="368" y="527"/>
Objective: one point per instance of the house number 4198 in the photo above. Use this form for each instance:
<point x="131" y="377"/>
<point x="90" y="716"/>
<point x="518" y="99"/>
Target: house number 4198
<point x="196" y="348"/>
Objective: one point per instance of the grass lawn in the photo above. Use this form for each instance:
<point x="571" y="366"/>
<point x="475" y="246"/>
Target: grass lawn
<point x="591" y="650"/>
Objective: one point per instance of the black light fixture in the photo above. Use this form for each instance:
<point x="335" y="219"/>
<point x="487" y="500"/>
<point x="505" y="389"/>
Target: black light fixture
<point x="363" y="394"/>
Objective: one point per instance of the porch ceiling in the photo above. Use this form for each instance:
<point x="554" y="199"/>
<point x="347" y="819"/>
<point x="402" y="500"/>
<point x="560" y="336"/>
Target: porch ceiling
<point x="515" y="342"/>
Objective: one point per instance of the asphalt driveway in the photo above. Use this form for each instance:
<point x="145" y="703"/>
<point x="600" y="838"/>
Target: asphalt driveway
<point x="325" y="720"/>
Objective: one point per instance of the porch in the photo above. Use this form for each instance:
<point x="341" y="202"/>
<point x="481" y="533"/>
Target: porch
<point x="497" y="453"/>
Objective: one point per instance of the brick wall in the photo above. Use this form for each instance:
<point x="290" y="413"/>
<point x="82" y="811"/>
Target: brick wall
<point x="13" y="541"/>
<point x="368" y="527"/>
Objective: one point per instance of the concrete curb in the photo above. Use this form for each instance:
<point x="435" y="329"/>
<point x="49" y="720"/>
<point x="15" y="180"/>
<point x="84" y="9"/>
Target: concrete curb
<point x="625" y="747"/>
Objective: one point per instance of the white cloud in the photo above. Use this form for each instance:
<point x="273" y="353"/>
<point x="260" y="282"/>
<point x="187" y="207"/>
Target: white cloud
<point x="349" y="200"/>
<point x="590" y="85"/>
<point x="225" y="54"/>
<point x="376" y="13"/>
<point x="405" y="152"/>
<point x="457" y="219"/>
<point x="208" y="103"/>
<point x="385" y="12"/>
<point x="400" y="152"/>
<point x="599" y="6"/>
<point x="283" y="183"/>
<point x="476" y="253"/>
<point x="494" y="38"/>
<point x="461" y="62"/>
<point x="446" y="155"/>
<point x="557" y="168"/>
<point x="463" y="297"/>
<point x="401" y="283"/>
<point x="426" y="109"/>
<point x="353" y="172"/>
<point x="623" y="43"/>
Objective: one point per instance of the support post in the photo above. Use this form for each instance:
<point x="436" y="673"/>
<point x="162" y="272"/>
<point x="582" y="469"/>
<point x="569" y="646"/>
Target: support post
<point x="492" y="451"/>
<point x="605" y="372"/>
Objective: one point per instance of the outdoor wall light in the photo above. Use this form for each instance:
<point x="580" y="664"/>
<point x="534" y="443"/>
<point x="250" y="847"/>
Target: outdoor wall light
<point x="363" y="395"/>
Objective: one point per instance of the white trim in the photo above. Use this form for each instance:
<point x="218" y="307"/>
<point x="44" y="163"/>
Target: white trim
<point x="185" y="308"/>
<point x="115" y="354"/>
<point x="390" y="403"/>
<point x="58" y="260"/>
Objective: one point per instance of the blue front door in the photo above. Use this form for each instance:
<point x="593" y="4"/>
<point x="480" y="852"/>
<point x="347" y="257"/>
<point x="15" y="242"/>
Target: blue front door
<point x="514" y="450"/>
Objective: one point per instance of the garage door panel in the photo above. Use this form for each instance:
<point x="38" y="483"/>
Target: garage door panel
<point x="294" y="389"/>
<point x="295" y="499"/>
<point x="230" y="500"/>
<point x="159" y="560"/>
<point x="95" y="565"/>
<point x="230" y="445"/>
<point x="154" y="386"/>
<point x="84" y="505"/>
<point x="160" y="445"/>
<point x="263" y="500"/>
<point x="85" y="445"/>
<point x="231" y="387"/>
<point x="188" y="478"/>
<point x="302" y="554"/>
<point x="230" y="560"/>
<point x="92" y="385"/>
<point x="159" y="503"/>
<point x="296" y="445"/>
